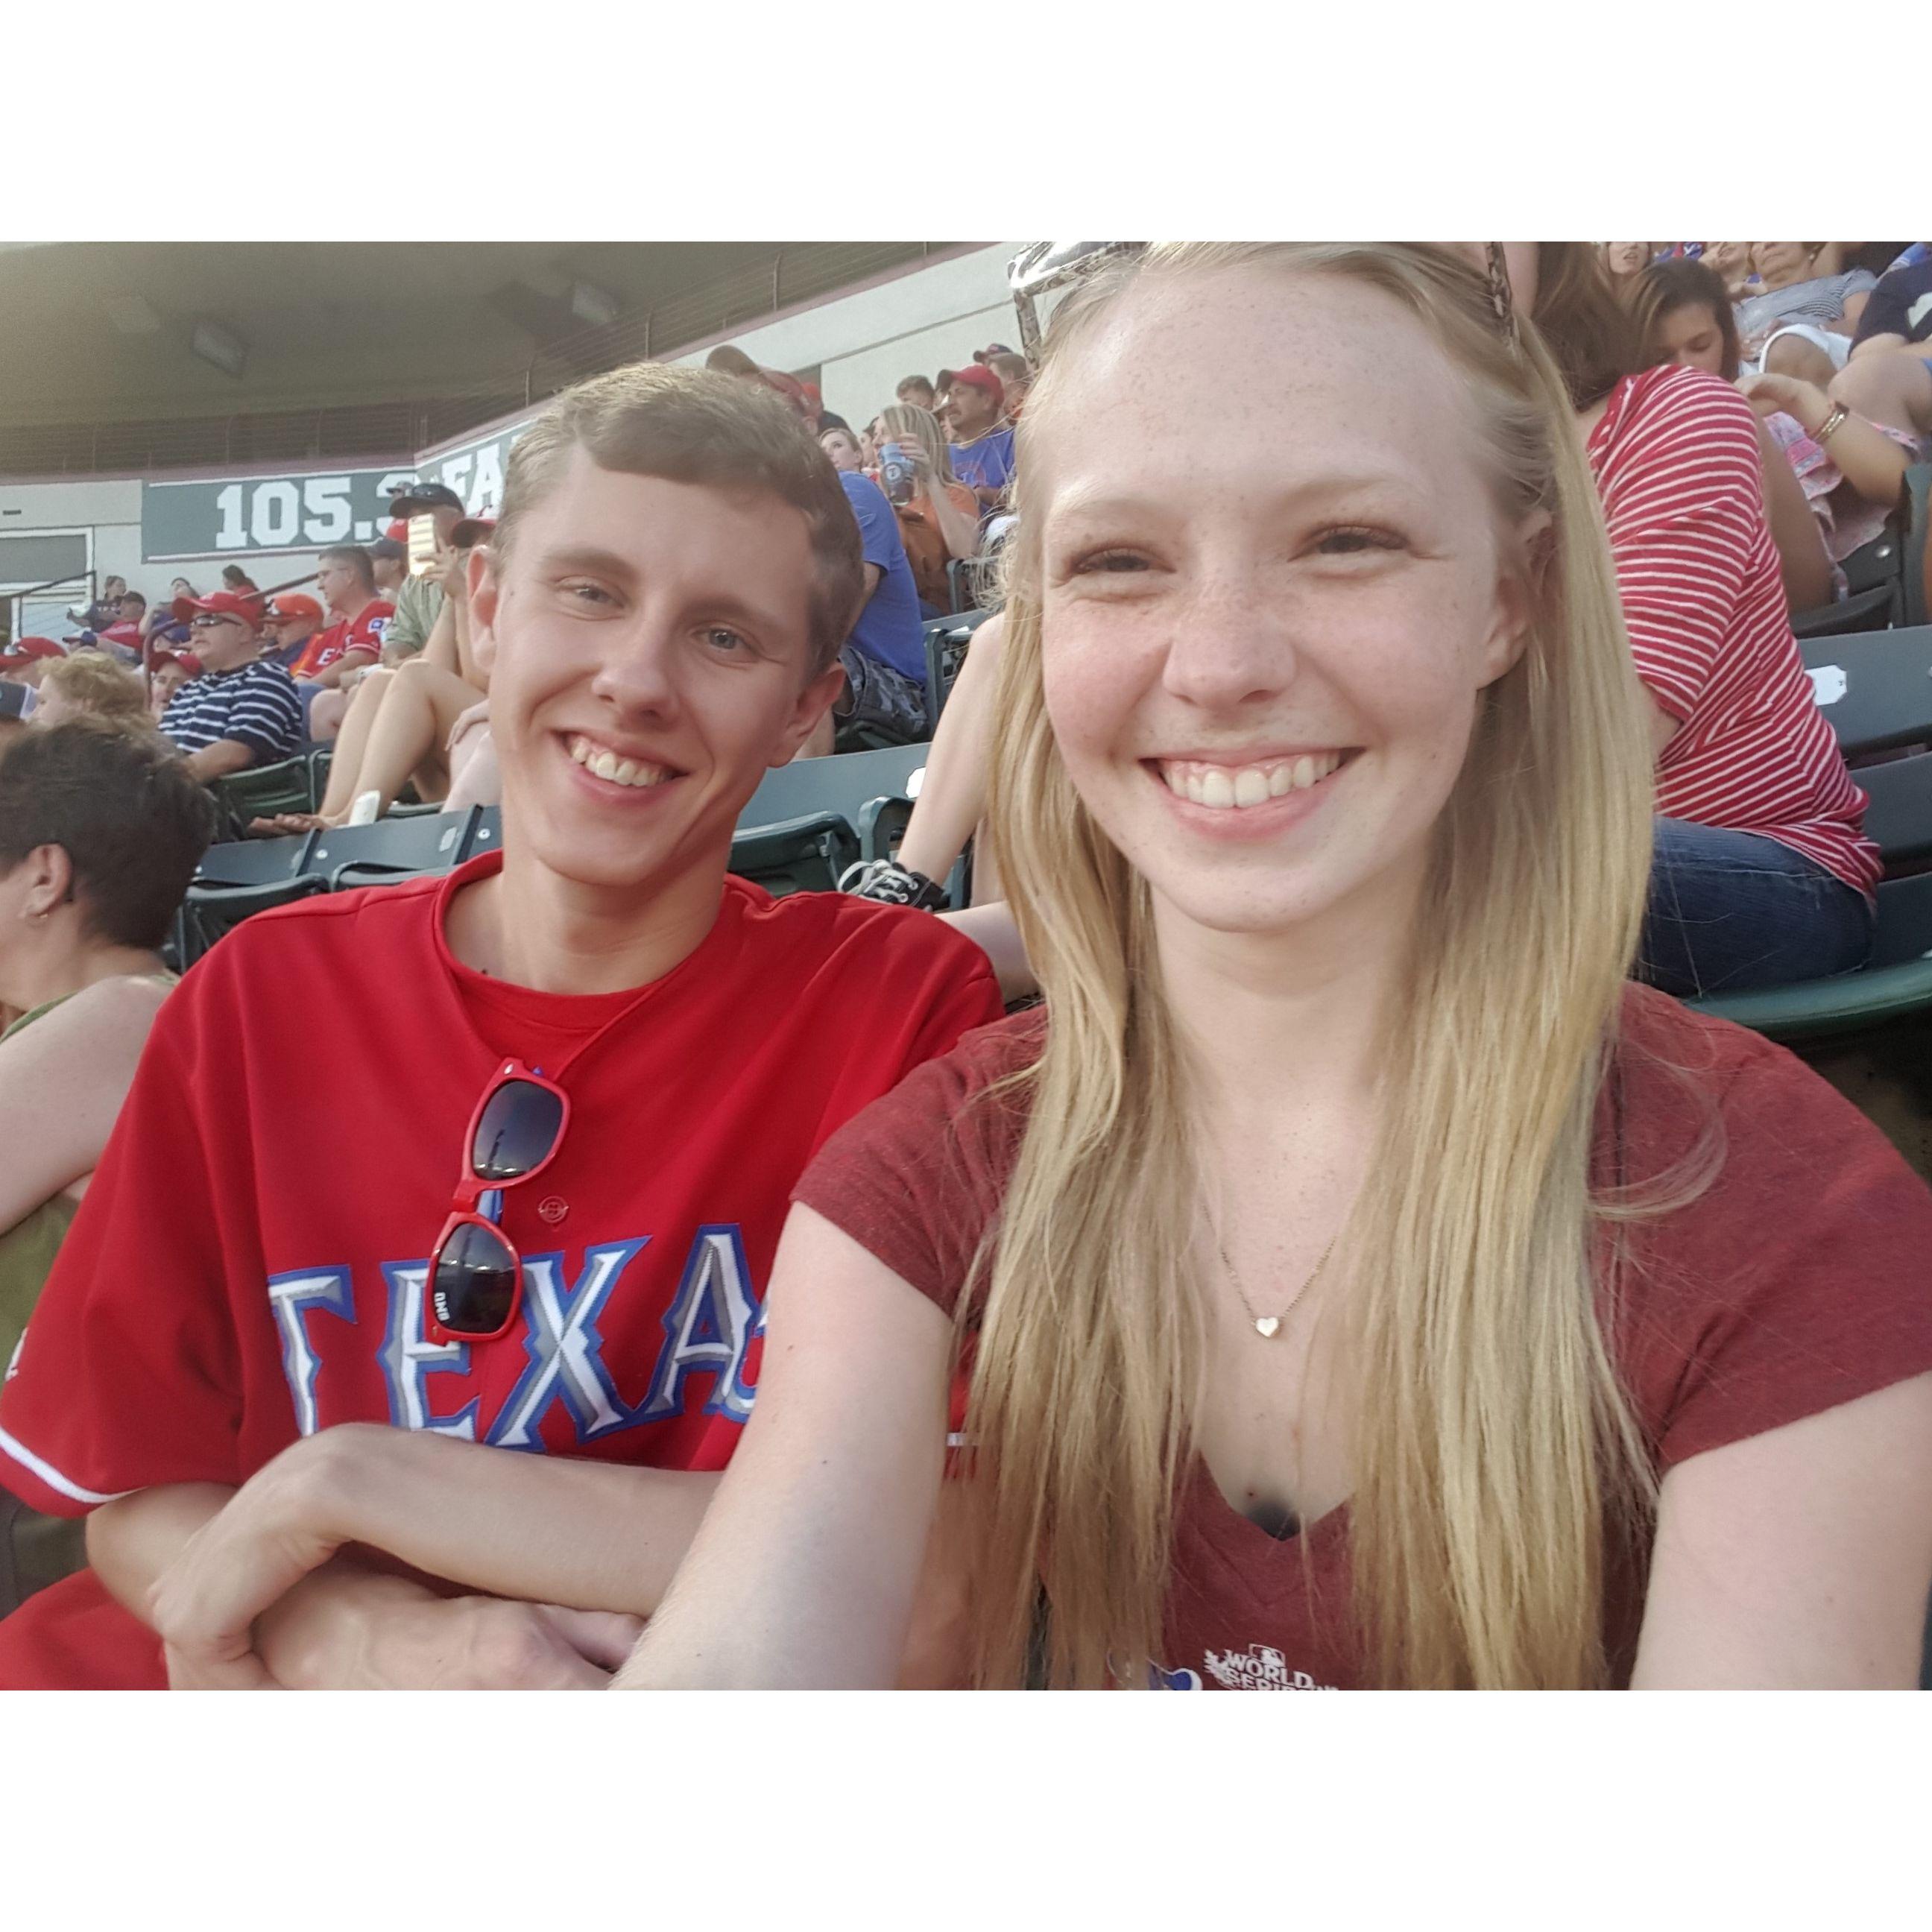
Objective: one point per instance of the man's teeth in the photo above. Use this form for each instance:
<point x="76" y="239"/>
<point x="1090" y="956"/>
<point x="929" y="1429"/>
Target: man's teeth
<point x="1222" y="788"/>
<point x="603" y="763"/>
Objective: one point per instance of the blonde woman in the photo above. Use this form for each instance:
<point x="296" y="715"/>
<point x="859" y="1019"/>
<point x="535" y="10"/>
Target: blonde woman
<point x="941" y="520"/>
<point x="91" y="684"/>
<point x="1362" y="1284"/>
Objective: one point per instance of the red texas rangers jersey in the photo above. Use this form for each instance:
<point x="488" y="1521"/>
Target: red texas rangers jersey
<point x="362" y="632"/>
<point x="248" y="1265"/>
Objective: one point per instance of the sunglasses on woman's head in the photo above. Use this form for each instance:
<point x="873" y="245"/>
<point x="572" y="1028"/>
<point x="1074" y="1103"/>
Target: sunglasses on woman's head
<point x="475" y="1273"/>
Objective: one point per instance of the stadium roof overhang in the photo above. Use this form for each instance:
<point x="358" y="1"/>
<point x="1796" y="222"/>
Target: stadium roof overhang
<point x="103" y="332"/>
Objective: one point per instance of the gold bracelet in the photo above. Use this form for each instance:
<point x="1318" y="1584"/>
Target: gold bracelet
<point x="1830" y="427"/>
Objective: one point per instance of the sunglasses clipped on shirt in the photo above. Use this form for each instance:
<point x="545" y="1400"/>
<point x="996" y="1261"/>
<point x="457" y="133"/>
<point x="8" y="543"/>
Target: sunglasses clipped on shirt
<point x="475" y="1273"/>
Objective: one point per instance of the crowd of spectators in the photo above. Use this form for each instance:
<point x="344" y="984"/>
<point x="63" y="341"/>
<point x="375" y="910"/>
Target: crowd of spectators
<point x="1737" y="420"/>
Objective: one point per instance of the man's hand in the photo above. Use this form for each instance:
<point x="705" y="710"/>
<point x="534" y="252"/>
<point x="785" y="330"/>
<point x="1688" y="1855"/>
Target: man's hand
<point x="347" y="1627"/>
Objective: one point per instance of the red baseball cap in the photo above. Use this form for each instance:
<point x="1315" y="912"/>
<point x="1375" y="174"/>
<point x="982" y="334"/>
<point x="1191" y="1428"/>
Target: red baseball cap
<point x="223" y="603"/>
<point x="399" y="531"/>
<point x="28" y="650"/>
<point x="181" y="659"/>
<point x="979" y="376"/>
<point x="293" y="603"/>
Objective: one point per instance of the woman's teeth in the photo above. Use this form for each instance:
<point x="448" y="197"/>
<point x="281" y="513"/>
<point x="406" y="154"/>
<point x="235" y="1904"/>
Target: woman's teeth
<point x="604" y="763"/>
<point x="1229" y="788"/>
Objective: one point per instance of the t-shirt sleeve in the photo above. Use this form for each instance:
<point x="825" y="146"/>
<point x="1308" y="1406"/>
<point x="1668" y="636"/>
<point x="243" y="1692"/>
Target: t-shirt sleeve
<point x="1888" y="311"/>
<point x="128" y="1374"/>
<point x="408" y="630"/>
<point x="1681" y="499"/>
<point x="1798" y="1281"/>
<point x="916" y="1179"/>
<point x="878" y="526"/>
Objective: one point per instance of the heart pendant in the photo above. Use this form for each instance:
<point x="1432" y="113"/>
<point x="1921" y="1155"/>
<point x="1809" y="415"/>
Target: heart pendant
<point x="1266" y="1324"/>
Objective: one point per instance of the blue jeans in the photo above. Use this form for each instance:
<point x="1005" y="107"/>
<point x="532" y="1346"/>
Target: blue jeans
<point x="1733" y="912"/>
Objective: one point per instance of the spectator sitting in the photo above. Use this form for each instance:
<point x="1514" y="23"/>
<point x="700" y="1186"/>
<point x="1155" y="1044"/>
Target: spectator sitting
<point x="291" y="619"/>
<point x="939" y="519"/>
<point x="1015" y="375"/>
<point x="602" y="940"/>
<point x="1801" y="320"/>
<point x="419" y="599"/>
<point x="100" y="831"/>
<point x="161" y="616"/>
<point x="842" y="446"/>
<point x="26" y="660"/>
<point x="105" y="610"/>
<point x="91" y="684"/>
<point x="347" y="579"/>
<point x="1888" y="379"/>
<point x="409" y="723"/>
<point x="1897" y="314"/>
<point x="389" y="561"/>
<point x="884" y="656"/>
<point x="982" y="444"/>
<point x="123" y="637"/>
<point x="169" y="671"/>
<point x="916" y="390"/>
<point x="1624" y="262"/>
<point x="242" y="710"/>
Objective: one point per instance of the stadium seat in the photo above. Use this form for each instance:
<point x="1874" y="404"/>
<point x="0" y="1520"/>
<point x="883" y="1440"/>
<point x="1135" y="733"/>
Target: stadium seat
<point x="392" y="848"/>
<point x="843" y="783"/>
<point x="486" y="833"/>
<point x="1875" y="690"/>
<point x="262" y="793"/>
<point x="945" y="652"/>
<point x="798" y="855"/>
<point x="1898" y="817"/>
<point x="319" y="759"/>
<point x="1918" y="511"/>
<point x="1871" y="609"/>
<point x="255" y="862"/>
<point x="210" y="911"/>
<point x="882" y="824"/>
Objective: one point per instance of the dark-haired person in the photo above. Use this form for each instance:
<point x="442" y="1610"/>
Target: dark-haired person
<point x="105" y="609"/>
<point x="418" y="599"/>
<point x="973" y="413"/>
<point x="242" y="710"/>
<point x="100" y="830"/>
<point x="291" y="1370"/>
<point x="916" y="390"/>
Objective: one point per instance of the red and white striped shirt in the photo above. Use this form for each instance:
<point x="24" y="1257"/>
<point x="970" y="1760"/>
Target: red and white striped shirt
<point x="1675" y="456"/>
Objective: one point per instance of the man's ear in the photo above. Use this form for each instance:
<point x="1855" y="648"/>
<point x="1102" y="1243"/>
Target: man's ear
<point x="808" y="708"/>
<point x="50" y="879"/>
<point x="485" y="594"/>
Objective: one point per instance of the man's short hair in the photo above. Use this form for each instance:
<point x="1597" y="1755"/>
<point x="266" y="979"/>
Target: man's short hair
<point x="912" y="382"/>
<point x="697" y="426"/>
<point x="1010" y="367"/>
<point x="357" y="558"/>
<point x="132" y="597"/>
<point x="123" y="806"/>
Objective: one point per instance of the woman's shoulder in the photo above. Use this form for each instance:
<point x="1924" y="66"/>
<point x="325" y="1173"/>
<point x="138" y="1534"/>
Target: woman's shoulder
<point x="1658" y="416"/>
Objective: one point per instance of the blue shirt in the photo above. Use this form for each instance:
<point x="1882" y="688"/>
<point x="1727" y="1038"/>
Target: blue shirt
<point x="986" y="464"/>
<point x="889" y="627"/>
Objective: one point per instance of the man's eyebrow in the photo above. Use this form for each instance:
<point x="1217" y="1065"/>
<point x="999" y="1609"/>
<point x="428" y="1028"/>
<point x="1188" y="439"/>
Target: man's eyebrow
<point x="588" y="557"/>
<point x="728" y="604"/>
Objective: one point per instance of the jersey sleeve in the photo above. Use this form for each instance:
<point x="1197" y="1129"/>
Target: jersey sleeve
<point x="1799" y="1282"/>
<point x="916" y="1179"/>
<point x="128" y="1373"/>
<point x="1681" y="496"/>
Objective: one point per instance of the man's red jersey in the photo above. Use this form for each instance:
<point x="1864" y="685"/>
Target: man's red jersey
<point x="361" y="632"/>
<point x="248" y="1264"/>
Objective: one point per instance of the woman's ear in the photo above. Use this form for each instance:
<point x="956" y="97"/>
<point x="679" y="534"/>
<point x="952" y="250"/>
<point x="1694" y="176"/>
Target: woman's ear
<point x="1521" y="569"/>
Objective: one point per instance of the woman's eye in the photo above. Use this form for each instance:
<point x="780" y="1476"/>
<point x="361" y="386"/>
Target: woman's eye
<point x="1108" y="562"/>
<point x="1351" y="540"/>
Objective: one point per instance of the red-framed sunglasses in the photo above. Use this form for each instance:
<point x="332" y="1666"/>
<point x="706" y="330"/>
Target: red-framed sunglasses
<point x="475" y="1273"/>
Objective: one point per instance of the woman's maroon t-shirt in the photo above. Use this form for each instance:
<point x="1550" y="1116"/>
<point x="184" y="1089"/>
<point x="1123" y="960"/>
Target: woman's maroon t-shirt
<point x="1795" y="1282"/>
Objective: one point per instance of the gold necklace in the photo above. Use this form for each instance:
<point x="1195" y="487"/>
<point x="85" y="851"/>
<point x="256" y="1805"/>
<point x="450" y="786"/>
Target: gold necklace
<point x="1268" y="1326"/>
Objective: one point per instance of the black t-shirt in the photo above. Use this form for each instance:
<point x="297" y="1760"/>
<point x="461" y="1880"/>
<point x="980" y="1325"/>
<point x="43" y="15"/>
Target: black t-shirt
<point x="1901" y="304"/>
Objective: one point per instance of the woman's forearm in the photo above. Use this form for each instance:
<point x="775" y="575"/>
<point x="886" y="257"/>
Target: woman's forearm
<point x="961" y="531"/>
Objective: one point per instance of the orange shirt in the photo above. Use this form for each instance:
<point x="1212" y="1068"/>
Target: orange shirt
<point x="925" y="542"/>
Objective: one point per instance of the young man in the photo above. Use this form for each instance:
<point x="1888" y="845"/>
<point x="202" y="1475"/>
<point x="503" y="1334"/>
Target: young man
<point x="418" y="599"/>
<point x="983" y="445"/>
<point x="292" y="619"/>
<point x="674" y="570"/>
<point x="242" y="710"/>
<point x="389" y="559"/>
<point x="916" y="390"/>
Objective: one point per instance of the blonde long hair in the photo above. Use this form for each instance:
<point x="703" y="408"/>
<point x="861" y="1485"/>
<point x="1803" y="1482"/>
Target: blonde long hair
<point x="901" y="421"/>
<point x="1496" y="1455"/>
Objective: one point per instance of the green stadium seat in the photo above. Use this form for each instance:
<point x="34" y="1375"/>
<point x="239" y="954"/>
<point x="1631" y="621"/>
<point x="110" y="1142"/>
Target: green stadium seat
<point x="842" y="784"/>
<point x="262" y="793"/>
<point x="1917" y="515"/>
<point x="1876" y="690"/>
<point x="1898" y="816"/>
<point x="805" y="854"/>
<point x="392" y="848"/>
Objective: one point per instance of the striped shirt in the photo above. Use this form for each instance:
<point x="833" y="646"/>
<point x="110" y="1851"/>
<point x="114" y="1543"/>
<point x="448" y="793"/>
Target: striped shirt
<point x="1675" y="456"/>
<point x="1821" y="300"/>
<point x="255" y="705"/>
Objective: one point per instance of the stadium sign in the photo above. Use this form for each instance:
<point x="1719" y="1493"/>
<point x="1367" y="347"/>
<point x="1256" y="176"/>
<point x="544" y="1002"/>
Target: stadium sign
<point x="222" y="518"/>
